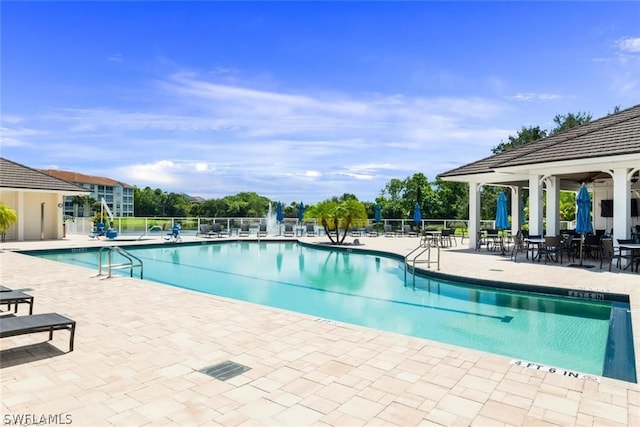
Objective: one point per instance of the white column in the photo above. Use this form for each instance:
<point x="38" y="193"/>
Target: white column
<point x="21" y="220"/>
<point x="535" y="205"/>
<point x="474" y="213"/>
<point x="621" y="204"/>
<point x="516" y="198"/>
<point x="553" y="205"/>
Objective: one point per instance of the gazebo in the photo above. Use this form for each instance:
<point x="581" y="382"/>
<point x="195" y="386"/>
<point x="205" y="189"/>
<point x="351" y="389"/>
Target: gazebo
<point x="603" y="154"/>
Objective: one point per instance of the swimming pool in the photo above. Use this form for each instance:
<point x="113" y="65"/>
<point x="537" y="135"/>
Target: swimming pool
<point x="369" y="290"/>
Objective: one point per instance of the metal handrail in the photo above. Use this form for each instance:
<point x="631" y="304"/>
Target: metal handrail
<point x="110" y="266"/>
<point x="425" y="246"/>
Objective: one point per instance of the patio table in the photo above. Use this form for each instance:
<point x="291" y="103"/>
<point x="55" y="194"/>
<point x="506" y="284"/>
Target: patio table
<point x="430" y="236"/>
<point x="533" y="246"/>
<point x="495" y="241"/>
<point x="635" y="254"/>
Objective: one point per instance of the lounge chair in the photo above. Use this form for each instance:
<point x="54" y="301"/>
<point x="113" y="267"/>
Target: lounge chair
<point x="388" y="231"/>
<point x="355" y="232"/>
<point x="15" y="298"/>
<point x="311" y="230"/>
<point x="217" y="231"/>
<point x="203" y="231"/>
<point x="407" y="231"/>
<point x="288" y="230"/>
<point x="4" y="289"/>
<point x="49" y="322"/>
<point x="244" y="230"/>
<point x="262" y="230"/>
<point x="370" y="232"/>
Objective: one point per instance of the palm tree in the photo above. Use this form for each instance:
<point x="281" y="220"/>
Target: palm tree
<point x="8" y="217"/>
<point x="336" y="215"/>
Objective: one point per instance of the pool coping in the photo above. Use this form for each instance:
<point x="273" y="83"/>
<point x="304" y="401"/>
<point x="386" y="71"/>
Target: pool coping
<point x="614" y="345"/>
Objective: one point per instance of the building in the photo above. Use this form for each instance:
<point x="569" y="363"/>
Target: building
<point x="37" y="199"/>
<point x="117" y="195"/>
<point x="603" y="155"/>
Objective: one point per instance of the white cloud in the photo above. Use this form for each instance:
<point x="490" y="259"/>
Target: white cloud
<point x="158" y="173"/>
<point x="628" y="44"/>
<point x="532" y="96"/>
<point x="115" y="57"/>
<point x="213" y="139"/>
<point x="17" y="136"/>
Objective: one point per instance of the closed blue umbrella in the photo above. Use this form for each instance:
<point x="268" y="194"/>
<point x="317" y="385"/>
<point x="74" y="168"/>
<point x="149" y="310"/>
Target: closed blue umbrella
<point x="417" y="215"/>
<point x="279" y="216"/>
<point x="502" y="220"/>
<point x="521" y="213"/>
<point x="583" y="215"/>
<point x="378" y="214"/>
<point x="300" y="211"/>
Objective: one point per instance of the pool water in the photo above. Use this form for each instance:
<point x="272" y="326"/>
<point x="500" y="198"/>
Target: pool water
<point x="369" y="290"/>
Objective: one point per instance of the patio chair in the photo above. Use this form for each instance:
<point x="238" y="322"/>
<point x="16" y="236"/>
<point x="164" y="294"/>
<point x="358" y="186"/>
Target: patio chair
<point x="569" y="247"/>
<point x="445" y="238"/>
<point x="49" y="322"/>
<point x="628" y="254"/>
<point x="610" y="252"/>
<point x="481" y="240"/>
<point x="288" y="230"/>
<point x="203" y="231"/>
<point x="388" y="231"/>
<point x="311" y="230"/>
<point x="370" y="232"/>
<point x="262" y="230"/>
<point x="452" y="236"/>
<point x="552" y="249"/>
<point x="216" y="230"/>
<point x="244" y="230"/>
<point x="591" y="246"/>
<point x="519" y="245"/>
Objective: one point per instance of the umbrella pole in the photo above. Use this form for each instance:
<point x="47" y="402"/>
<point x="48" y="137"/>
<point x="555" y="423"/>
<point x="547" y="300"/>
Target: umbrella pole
<point x="581" y="246"/>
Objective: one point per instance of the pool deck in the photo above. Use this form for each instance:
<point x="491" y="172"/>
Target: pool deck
<point x="139" y="346"/>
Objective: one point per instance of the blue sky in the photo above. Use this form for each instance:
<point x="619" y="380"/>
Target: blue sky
<point x="299" y="101"/>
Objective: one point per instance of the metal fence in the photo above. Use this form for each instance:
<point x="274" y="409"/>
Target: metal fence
<point x="191" y="225"/>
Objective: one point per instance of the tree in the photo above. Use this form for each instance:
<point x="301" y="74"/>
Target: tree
<point x="524" y="136"/>
<point x="336" y="215"/>
<point x="86" y="201"/>
<point x="8" y="217"/>
<point x="567" y="121"/>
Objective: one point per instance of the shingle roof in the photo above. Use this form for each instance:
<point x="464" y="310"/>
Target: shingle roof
<point x="614" y="135"/>
<point x="15" y="175"/>
<point x="81" y="178"/>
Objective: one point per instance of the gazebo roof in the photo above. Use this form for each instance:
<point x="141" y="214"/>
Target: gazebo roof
<point x="615" y="135"/>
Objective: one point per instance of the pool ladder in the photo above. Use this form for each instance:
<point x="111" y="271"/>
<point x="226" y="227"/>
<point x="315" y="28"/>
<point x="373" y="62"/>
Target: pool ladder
<point x="426" y="246"/>
<point x="131" y="263"/>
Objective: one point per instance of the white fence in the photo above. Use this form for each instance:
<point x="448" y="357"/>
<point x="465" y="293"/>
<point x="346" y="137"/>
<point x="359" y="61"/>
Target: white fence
<point x="190" y="225"/>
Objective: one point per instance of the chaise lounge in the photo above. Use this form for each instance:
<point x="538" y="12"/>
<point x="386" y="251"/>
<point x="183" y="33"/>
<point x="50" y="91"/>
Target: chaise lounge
<point x="244" y="230"/>
<point x="288" y="230"/>
<point x="49" y="322"/>
<point x="15" y="298"/>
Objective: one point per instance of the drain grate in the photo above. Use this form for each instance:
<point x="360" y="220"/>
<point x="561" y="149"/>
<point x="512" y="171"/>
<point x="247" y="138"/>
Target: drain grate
<point x="225" y="370"/>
